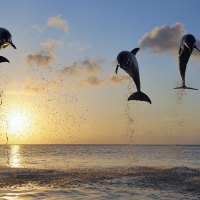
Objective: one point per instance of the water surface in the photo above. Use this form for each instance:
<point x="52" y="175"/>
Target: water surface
<point x="99" y="172"/>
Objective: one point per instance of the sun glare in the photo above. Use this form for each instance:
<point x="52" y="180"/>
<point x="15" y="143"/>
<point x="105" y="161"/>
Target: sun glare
<point x="18" y="121"/>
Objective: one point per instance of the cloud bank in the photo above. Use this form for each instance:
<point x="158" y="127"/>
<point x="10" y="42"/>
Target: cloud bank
<point x="88" y="72"/>
<point x="113" y="79"/>
<point x="46" y="56"/>
<point x="83" y="67"/>
<point x="165" y="38"/>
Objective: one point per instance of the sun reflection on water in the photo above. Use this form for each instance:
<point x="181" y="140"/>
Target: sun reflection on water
<point x="14" y="157"/>
<point x="11" y="196"/>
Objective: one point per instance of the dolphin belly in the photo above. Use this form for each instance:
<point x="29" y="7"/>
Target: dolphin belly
<point x="183" y="60"/>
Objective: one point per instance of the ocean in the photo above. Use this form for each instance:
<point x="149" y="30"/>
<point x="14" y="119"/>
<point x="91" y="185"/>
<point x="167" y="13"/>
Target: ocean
<point x="138" y="172"/>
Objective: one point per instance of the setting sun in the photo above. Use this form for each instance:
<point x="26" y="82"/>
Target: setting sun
<point x="18" y="121"/>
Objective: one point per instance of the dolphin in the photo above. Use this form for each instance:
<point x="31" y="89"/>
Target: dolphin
<point x="127" y="61"/>
<point x="5" y="40"/>
<point x="188" y="43"/>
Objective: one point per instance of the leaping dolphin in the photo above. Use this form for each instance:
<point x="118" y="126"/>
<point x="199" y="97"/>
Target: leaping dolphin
<point x="5" y="40"/>
<point x="188" y="43"/>
<point x="127" y="61"/>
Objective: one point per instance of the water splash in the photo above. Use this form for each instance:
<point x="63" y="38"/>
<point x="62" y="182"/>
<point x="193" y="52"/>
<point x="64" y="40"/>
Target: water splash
<point x="180" y="96"/>
<point x="6" y="128"/>
<point x="51" y="104"/>
<point x="177" y="117"/>
<point x="180" y="93"/>
<point x="7" y="152"/>
<point x="129" y="114"/>
<point x="131" y="122"/>
<point x="177" y="110"/>
<point x="1" y="97"/>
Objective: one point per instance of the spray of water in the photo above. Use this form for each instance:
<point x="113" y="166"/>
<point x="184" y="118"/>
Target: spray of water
<point x="177" y="117"/>
<point x="129" y="115"/>
<point x="180" y="93"/>
<point x="6" y="129"/>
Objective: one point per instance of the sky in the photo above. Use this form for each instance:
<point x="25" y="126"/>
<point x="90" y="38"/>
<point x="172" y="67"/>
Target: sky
<point x="60" y="85"/>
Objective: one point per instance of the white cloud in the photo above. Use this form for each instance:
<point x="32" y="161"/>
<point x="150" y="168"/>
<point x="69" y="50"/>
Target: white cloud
<point x="53" y="22"/>
<point x="58" y="22"/>
<point x="165" y="38"/>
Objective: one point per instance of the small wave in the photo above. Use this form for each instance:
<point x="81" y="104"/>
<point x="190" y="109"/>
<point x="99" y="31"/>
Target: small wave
<point x="185" y="171"/>
<point x="181" y="179"/>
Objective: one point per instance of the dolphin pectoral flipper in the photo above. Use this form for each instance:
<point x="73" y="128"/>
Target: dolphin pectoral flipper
<point x="11" y="43"/>
<point x="140" y="96"/>
<point x="3" y="59"/>
<point x="116" y="69"/>
<point x="196" y="48"/>
<point x="180" y="50"/>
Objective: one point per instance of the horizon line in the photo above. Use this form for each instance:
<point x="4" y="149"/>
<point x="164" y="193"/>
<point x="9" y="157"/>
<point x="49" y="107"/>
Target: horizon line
<point x="103" y="144"/>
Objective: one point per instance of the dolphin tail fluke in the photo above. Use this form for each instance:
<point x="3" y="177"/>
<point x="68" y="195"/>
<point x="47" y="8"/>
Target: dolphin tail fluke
<point x="139" y="96"/>
<point x="185" y="87"/>
<point x="3" y="59"/>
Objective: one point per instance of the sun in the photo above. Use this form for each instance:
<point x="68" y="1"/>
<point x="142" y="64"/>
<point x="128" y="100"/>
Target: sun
<point x="18" y="121"/>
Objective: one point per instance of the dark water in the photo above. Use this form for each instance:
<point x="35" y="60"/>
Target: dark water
<point x="99" y="172"/>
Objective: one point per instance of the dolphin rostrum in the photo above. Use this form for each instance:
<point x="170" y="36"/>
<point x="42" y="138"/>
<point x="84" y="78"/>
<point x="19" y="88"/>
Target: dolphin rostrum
<point x="188" y="43"/>
<point x="5" y="40"/>
<point x="127" y="61"/>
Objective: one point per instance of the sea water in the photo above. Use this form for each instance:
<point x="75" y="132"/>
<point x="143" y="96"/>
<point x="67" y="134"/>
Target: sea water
<point x="99" y="172"/>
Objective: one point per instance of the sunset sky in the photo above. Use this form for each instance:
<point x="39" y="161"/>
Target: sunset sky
<point x="60" y="82"/>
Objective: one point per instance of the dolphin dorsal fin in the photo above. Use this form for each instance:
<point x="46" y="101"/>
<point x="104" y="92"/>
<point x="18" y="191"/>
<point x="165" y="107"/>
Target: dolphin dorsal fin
<point x="197" y="48"/>
<point x="134" y="51"/>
